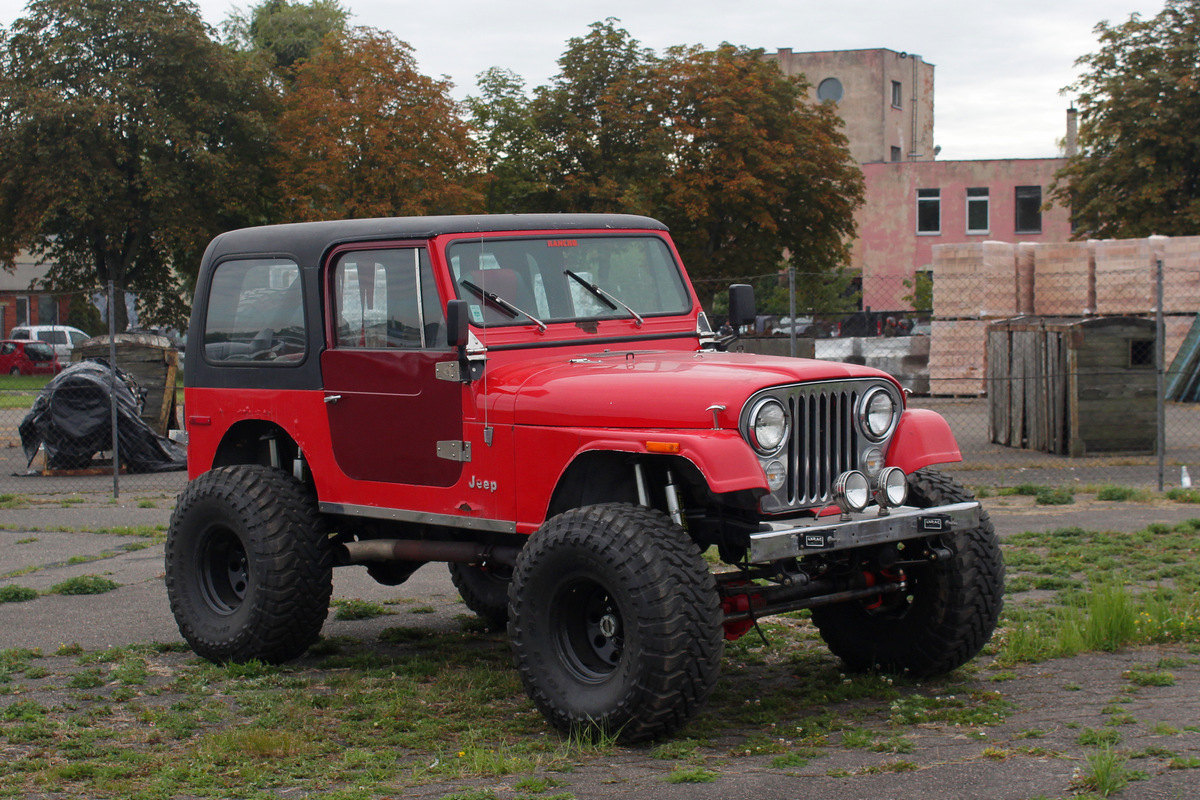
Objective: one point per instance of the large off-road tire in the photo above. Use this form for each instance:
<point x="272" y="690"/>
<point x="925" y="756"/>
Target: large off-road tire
<point x="484" y="590"/>
<point x="615" y="622"/>
<point x="948" y="612"/>
<point x="249" y="568"/>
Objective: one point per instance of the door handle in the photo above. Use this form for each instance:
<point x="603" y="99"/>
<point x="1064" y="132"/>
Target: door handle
<point x="332" y="398"/>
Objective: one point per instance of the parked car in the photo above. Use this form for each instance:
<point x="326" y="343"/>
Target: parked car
<point x="20" y="357"/>
<point x="62" y="338"/>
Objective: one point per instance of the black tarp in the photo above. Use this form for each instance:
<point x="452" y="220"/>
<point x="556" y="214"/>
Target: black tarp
<point x="72" y="419"/>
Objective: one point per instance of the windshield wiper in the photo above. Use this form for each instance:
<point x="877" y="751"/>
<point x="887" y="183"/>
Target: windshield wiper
<point x="603" y="296"/>
<point x="502" y="304"/>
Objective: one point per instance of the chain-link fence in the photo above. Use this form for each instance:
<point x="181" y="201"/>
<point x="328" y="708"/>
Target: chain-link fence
<point x="1051" y="363"/>
<point x="66" y="417"/>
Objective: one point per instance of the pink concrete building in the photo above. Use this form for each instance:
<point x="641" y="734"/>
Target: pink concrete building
<point x="912" y="206"/>
<point x="913" y="201"/>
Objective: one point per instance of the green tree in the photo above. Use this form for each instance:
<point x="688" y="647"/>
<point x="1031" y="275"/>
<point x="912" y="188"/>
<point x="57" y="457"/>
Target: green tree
<point x="1137" y="169"/>
<point x="515" y="150"/>
<point x="607" y="143"/>
<point x="364" y="134"/>
<point x="287" y="32"/>
<point x="128" y="138"/>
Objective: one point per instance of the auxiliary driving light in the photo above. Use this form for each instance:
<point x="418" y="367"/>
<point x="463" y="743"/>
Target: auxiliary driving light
<point x="891" y="489"/>
<point x="851" y="491"/>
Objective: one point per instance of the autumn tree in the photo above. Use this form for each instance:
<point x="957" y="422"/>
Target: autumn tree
<point x="363" y="133"/>
<point x="758" y="179"/>
<point x="1137" y="169"/>
<point x="128" y="138"/>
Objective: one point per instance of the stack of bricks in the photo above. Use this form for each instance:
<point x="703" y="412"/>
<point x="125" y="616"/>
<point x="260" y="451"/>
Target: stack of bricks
<point x="1063" y="280"/>
<point x="973" y="285"/>
<point x="976" y="284"/>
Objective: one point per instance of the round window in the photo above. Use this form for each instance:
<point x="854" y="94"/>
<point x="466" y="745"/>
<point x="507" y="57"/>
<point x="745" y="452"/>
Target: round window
<point x="830" y="89"/>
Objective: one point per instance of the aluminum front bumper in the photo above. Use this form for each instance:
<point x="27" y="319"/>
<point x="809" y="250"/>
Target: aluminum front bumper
<point x="777" y="540"/>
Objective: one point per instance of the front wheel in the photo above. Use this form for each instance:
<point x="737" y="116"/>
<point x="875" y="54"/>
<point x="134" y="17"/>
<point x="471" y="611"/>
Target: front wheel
<point x="249" y="568"/>
<point x="946" y="615"/>
<point x="615" y="622"/>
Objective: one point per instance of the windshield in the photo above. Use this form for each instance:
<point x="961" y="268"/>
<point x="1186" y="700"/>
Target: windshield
<point x="529" y="281"/>
<point x="38" y="351"/>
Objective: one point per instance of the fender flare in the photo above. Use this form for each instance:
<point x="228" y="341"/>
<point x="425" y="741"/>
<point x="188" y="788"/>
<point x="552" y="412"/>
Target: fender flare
<point x="922" y="438"/>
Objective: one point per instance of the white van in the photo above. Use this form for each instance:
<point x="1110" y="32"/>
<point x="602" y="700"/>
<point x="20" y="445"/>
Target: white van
<point x="62" y="338"/>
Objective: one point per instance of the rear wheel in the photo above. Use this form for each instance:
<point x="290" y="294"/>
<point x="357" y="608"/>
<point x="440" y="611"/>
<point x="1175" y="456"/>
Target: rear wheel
<point x="946" y="615"/>
<point x="484" y="589"/>
<point x="249" y="568"/>
<point x="616" y="624"/>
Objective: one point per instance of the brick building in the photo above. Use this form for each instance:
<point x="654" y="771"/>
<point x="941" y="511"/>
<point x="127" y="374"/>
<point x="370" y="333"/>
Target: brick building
<point x="23" y="303"/>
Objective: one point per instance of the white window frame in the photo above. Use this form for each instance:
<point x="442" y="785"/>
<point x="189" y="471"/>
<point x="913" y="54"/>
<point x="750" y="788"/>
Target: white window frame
<point x="932" y="196"/>
<point x="985" y="199"/>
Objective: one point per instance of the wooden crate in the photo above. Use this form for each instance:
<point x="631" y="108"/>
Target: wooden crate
<point x="151" y="361"/>
<point x="1074" y="387"/>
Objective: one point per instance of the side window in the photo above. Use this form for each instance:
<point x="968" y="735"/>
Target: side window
<point x="53" y="337"/>
<point x="7" y="349"/>
<point x="929" y="211"/>
<point x="255" y="313"/>
<point x="77" y="337"/>
<point x="1029" y="209"/>
<point x="387" y="299"/>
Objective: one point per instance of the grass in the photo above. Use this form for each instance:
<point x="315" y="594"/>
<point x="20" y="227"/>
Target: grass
<point x="417" y="706"/>
<point x="84" y="584"/>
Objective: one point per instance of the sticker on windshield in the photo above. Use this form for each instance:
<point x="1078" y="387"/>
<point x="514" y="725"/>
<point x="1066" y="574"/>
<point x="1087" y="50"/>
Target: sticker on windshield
<point x="562" y="243"/>
<point x="477" y="314"/>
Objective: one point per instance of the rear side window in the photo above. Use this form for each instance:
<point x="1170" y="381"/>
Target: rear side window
<point x="53" y="337"/>
<point x="38" y="351"/>
<point x="255" y="313"/>
<point x="19" y="334"/>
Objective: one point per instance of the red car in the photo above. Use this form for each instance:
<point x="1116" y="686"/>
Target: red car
<point x="539" y="401"/>
<point x="18" y="357"/>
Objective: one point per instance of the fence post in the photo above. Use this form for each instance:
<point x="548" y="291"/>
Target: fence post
<point x="792" y="310"/>
<point x="1159" y="359"/>
<point x="112" y="392"/>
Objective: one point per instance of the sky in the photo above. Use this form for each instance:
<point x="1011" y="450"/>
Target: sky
<point x="1000" y="64"/>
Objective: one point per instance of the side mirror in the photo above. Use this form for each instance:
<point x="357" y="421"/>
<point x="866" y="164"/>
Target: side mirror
<point x="457" y="330"/>
<point x="741" y="305"/>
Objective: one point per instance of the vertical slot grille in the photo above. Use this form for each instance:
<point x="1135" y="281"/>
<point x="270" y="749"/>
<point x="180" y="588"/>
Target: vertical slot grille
<point x="824" y="442"/>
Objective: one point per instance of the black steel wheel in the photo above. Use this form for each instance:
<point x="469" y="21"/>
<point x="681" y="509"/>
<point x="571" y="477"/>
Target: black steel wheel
<point x="615" y="622"/>
<point x="484" y="589"/>
<point x="946" y="615"/>
<point x="249" y="569"/>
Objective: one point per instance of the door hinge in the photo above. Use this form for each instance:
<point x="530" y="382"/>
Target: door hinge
<point x="448" y="371"/>
<point x="454" y="451"/>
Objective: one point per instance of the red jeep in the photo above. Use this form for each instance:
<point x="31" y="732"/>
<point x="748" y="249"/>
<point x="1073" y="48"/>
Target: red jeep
<point x="540" y="401"/>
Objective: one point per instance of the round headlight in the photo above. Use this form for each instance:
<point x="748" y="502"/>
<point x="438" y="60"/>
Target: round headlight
<point x="768" y="426"/>
<point x="877" y="413"/>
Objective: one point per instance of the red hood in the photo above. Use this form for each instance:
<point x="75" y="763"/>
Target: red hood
<point x="647" y="389"/>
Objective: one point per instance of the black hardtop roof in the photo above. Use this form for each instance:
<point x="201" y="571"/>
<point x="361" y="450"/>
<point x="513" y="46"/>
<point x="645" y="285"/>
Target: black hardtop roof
<point x="306" y="236"/>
